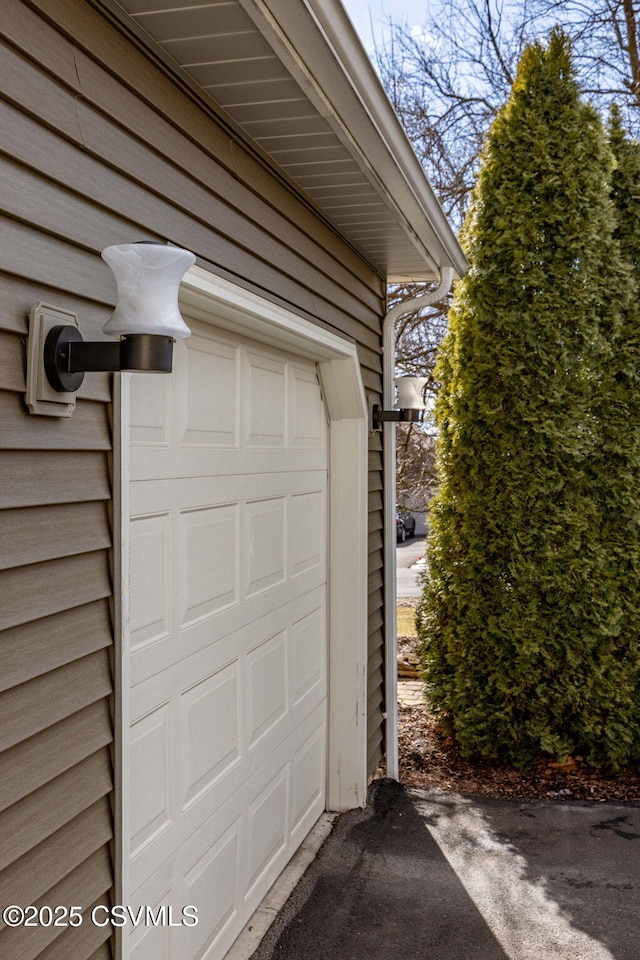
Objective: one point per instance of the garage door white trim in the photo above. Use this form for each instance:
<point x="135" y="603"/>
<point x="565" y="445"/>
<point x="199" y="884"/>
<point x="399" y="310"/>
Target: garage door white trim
<point x="209" y="298"/>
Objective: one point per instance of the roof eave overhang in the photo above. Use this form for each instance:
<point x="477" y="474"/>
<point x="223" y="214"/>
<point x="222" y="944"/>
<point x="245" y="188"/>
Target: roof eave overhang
<point x="318" y="47"/>
<point x="318" y="44"/>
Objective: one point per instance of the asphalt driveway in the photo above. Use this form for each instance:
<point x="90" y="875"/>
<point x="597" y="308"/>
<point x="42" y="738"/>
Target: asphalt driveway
<point x="436" y="876"/>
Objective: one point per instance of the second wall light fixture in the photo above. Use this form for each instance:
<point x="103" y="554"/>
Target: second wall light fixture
<point x="409" y="405"/>
<point x="146" y="320"/>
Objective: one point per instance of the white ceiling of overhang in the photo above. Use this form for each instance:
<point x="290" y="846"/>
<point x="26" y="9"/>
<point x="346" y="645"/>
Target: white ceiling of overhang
<point x="222" y="49"/>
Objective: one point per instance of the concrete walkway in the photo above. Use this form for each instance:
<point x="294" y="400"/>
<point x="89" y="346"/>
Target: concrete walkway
<point x="434" y="876"/>
<point x="411" y="692"/>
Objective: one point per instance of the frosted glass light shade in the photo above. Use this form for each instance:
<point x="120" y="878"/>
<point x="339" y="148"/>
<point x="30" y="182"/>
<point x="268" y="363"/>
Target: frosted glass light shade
<point x="148" y="276"/>
<point x="410" y="393"/>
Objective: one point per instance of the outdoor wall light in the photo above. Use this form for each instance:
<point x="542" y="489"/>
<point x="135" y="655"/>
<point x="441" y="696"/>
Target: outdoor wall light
<point x="146" y="319"/>
<point x="409" y="403"/>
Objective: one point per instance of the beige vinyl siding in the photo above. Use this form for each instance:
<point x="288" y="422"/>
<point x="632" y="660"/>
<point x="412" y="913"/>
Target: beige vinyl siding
<point x="83" y="945"/>
<point x="55" y="636"/>
<point x="102" y="145"/>
<point x="49" y="808"/>
<point x="375" y="673"/>
<point x="83" y="887"/>
<point x="55" y="733"/>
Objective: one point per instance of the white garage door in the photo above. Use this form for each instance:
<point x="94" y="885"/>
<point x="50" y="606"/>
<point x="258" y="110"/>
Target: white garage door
<point x="227" y="628"/>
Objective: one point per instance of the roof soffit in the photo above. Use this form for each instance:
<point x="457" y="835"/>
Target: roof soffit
<point x="296" y="80"/>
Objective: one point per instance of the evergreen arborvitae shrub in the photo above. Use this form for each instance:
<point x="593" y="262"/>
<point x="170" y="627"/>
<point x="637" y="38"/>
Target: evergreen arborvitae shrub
<point x="521" y="619"/>
<point x="613" y="700"/>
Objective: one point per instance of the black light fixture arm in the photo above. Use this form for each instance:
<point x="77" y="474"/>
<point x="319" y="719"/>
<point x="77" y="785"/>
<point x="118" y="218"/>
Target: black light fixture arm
<point x="380" y="416"/>
<point x="67" y="357"/>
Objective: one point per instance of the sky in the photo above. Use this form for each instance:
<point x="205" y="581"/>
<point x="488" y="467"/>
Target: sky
<point x="363" y="12"/>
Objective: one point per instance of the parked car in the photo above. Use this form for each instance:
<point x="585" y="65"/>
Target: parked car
<point x="409" y="522"/>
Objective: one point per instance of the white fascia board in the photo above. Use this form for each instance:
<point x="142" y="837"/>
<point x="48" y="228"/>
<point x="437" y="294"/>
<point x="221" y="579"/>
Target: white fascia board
<point x="318" y="45"/>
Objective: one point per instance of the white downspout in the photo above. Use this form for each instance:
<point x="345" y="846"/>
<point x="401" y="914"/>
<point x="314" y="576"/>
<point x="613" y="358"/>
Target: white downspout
<point x="389" y="480"/>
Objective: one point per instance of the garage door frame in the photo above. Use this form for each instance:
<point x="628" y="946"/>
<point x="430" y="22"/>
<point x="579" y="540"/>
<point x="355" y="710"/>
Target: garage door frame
<point x="217" y="301"/>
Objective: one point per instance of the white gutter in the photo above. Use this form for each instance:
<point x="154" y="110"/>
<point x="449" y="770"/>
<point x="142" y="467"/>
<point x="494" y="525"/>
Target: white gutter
<point x="389" y="482"/>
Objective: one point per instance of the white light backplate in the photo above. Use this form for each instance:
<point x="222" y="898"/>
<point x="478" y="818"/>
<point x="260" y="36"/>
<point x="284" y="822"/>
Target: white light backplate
<point x="40" y="396"/>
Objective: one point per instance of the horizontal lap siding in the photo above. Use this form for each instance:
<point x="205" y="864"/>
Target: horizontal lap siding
<point x="56" y="631"/>
<point x="375" y="681"/>
<point x="99" y="146"/>
<point x="55" y="673"/>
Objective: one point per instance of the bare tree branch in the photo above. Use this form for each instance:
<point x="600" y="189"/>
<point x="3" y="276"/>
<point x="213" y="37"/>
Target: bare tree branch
<point x="447" y="81"/>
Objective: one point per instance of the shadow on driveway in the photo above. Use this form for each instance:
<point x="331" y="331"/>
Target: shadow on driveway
<point x="576" y="867"/>
<point x="380" y="888"/>
<point x="436" y="876"/>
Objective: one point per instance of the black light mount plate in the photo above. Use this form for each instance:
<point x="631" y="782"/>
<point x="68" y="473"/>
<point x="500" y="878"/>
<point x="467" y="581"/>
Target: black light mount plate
<point x="57" y="353"/>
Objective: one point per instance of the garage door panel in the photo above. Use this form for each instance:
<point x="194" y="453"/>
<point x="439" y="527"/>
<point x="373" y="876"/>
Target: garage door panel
<point x="206" y="562"/>
<point x="307" y="525"/>
<point x="164" y="650"/>
<point x="307" y="785"/>
<point x="233" y="563"/>
<point x="267" y="694"/>
<point x="202" y="826"/>
<point x="149" y="942"/>
<point x="267" y="832"/>
<point x="209" y="417"/>
<point x="230" y="396"/>
<point x="211" y="705"/>
<point x="211" y="883"/>
<point x="151" y="462"/>
<point x="161" y="495"/>
<point x="244" y="726"/>
<point x="149" y="579"/>
<point x="150" y="410"/>
<point x="154" y="942"/>
<point x="151" y="809"/>
<point x="266" y="406"/>
<point x="206" y="875"/>
<point x="284" y="649"/>
<point x="265" y="556"/>
<point x="307" y="659"/>
<point x="199" y="693"/>
<point x="264" y="854"/>
<point x="228" y="647"/>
